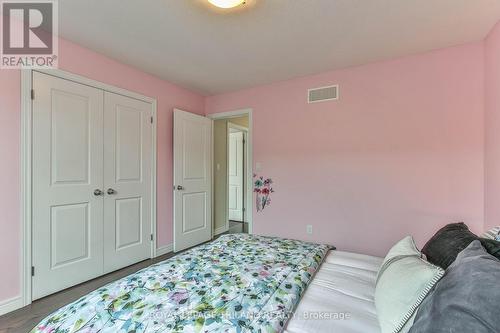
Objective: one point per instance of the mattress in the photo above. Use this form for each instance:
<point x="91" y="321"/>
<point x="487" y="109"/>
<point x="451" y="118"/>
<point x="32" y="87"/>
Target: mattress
<point x="340" y="298"/>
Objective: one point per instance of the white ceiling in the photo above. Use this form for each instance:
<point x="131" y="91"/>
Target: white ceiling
<point x="212" y="51"/>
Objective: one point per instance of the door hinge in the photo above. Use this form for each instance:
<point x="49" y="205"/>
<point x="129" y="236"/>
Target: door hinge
<point x="151" y="237"/>
<point x="32" y="270"/>
<point x="151" y="120"/>
<point x="32" y="94"/>
<point x="244" y="210"/>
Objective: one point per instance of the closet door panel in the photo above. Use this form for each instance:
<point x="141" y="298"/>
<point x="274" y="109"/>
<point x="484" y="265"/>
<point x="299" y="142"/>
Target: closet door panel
<point x="67" y="169"/>
<point x="127" y="179"/>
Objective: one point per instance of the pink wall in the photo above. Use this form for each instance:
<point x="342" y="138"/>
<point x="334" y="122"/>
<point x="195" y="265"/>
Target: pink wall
<point x="400" y="153"/>
<point x="492" y="123"/>
<point x="76" y="59"/>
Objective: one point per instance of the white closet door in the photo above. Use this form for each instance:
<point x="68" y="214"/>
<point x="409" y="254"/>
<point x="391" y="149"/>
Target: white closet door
<point x="235" y="170"/>
<point x="192" y="179"/>
<point x="67" y="169"/>
<point x="127" y="181"/>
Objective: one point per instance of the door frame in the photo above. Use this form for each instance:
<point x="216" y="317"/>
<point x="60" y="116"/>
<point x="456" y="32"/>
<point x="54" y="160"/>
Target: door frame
<point x="25" y="263"/>
<point x="243" y="130"/>
<point x="248" y="165"/>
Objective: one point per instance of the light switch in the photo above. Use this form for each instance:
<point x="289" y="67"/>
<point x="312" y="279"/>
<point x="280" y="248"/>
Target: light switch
<point x="309" y="229"/>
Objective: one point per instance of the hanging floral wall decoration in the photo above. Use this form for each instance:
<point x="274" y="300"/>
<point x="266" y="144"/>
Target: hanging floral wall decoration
<point x="263" y="189"/>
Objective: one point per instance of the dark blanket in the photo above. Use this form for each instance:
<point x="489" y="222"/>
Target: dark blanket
<point x="443" y="248"/>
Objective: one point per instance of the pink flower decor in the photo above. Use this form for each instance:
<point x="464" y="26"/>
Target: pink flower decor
<point x="263" y="189"/>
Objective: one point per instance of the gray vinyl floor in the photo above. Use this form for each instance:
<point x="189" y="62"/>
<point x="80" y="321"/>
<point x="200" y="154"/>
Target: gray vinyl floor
<point x="237" y="227"/>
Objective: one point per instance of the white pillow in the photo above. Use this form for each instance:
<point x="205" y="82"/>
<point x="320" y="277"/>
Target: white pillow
<point x="403" y="282"/>
<point x="404" y="248"/>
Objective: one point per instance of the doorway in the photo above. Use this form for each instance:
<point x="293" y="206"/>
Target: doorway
<point x="232" y="172"/>
<point x="236" y="175"/>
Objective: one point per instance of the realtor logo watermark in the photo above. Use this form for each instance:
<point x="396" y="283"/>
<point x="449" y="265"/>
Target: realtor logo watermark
<point x="29" y="34"/>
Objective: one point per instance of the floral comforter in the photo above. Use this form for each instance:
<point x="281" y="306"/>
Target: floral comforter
<point x="239" y="283"/>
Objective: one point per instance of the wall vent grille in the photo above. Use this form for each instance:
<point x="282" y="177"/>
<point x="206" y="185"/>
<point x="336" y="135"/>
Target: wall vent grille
<point x="323" y="94"/>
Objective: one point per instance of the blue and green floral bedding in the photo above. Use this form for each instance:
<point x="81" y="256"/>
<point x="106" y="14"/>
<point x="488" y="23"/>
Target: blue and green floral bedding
<point x="239" y="283"/>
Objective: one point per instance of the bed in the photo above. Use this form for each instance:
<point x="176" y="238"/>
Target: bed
<point x="238" y="283"/>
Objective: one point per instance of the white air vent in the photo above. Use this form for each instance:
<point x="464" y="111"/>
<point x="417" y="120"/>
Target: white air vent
<point x="323" y="94"/>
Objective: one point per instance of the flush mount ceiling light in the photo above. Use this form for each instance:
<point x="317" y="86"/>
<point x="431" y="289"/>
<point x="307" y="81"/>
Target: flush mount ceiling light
<point x="226" y="3"/>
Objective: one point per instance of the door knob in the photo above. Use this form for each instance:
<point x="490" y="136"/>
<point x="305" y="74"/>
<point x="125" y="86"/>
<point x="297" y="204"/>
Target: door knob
<point x="180" y="188"/>
<point x="98" y="193"/>
<point x="111" y="191"/>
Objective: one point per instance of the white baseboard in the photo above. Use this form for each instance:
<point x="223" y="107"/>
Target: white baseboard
<point x="11" y="304"/>
<point x="164" y="250"/>
<point x="220" y="230"/>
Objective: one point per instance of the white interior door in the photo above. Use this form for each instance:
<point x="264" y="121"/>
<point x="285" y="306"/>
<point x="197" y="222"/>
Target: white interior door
<point x="236" y="175"/>
<point x="192" y="180"/>
<point x="67" y="179"/>
<point x="127" y="181"/>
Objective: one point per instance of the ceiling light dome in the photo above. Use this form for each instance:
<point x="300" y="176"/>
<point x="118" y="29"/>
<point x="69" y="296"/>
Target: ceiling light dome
<point x="226" y="3"/>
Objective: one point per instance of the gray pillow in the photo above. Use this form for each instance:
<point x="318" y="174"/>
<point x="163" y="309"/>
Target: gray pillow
<point x="467" y="299"/>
